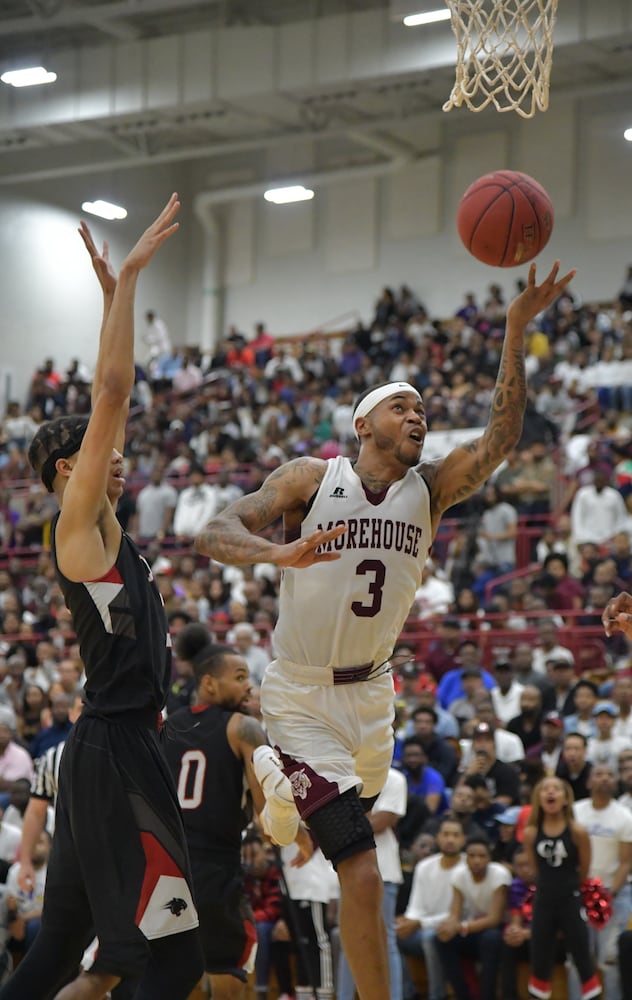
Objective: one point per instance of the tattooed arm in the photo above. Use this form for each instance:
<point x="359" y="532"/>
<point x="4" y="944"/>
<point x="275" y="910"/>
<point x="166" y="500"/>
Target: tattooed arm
<point x="244" y="735"/>
<point x="466" y="468"/>
<point x="230" y="537"/>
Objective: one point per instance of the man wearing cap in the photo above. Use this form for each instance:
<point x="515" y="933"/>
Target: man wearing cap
<point x="561" y="698"/>
<point x="502" y="779"/>
<point x="604" y="748"/>
<point x="550" y="750"/>
<point x="356" y="539"/>
<point x="506" y="693"/>
<point x="506" y="844"/>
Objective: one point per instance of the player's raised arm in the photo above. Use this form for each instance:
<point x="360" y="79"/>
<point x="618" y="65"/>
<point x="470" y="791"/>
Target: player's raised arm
<point x="106" y="275"/>
<point x="466" y="468"/>
<point x="90" y="481"/>
<point x="231" y="536"/>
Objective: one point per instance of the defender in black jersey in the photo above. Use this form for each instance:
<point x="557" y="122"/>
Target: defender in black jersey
<point x="559" y="851"/>
<point x="119" y="864"/>
<point x="209" y="747"/>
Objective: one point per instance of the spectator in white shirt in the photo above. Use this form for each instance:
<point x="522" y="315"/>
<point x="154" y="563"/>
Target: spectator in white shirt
<point x="428" y="907"/>
<point x="435" y="596"/>
<point x="506" y="693"/>
<point x="604" y="748"/>
<point x="473" y="926"/>
<point x="609" y="826"/>
<point x="195" y="506"/>
<point x="156" y="336"/>
<point x="155" y="505"/>
<point x="598" y="511"/>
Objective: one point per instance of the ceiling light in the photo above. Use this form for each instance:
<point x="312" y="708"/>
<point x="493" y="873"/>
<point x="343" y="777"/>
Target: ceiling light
<point x="412" y="20"/>
<point x="30" y="77"/>
<point x="628" y="134"/>
<point x="287" y="195"/>
<point x="104" y="209"/>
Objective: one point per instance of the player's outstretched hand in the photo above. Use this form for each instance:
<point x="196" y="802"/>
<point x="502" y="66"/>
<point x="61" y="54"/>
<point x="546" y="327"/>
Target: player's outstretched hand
<point x="100" y="261"/>
<point x="160" y="230"/>
<point x="617" y="615"/>
<point x="535" y="298"/>
<point x="304" y="551"/>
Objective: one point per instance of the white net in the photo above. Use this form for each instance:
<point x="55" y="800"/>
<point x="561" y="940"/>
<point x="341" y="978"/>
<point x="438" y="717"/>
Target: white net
<point x="504" y="54"/>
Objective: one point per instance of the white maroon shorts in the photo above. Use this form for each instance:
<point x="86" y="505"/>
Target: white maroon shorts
<point x="331" y="737"/>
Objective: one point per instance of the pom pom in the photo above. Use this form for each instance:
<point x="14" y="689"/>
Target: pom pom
<point x="597" y="902"/>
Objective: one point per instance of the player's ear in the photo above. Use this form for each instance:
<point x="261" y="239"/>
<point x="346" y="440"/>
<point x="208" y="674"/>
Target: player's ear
<point x="361" y="427"/>
<point x="64" y="466"/>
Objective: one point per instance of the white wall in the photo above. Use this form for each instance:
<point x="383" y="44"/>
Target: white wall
<point x="299" y="266"/>
<point x="405" y="229"/>
<point x="51" y="303"/>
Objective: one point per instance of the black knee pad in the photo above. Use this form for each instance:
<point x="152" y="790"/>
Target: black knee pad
<point x="341" y="827"/>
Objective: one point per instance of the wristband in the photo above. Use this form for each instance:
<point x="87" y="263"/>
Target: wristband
<point x="464" y="929"/>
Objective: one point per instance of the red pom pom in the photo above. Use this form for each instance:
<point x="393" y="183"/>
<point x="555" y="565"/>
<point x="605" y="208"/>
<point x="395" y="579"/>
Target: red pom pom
<point x="597" y="902"/>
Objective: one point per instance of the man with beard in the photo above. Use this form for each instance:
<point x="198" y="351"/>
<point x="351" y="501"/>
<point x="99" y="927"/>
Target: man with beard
<point x="527" y="724"/>
<point x="211" y="747"/>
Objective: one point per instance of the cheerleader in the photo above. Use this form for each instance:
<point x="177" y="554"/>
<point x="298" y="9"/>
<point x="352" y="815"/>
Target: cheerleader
<point x="559" y="851"/>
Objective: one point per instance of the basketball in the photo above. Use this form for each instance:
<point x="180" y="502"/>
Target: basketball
<point x="505" y="218"/>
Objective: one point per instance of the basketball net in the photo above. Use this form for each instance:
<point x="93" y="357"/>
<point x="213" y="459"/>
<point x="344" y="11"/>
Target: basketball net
<point x="504" y="54"/>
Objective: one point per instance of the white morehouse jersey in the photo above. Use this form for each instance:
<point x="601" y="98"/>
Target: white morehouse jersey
<point x="351" y="611"/>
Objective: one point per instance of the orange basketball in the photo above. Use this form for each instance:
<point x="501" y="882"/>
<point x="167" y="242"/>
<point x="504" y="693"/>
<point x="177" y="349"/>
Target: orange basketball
<point x="505" y="218"/>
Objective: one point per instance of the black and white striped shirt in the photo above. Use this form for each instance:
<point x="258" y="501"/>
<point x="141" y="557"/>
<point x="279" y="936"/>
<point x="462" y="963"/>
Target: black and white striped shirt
<point x="46" y="780"/>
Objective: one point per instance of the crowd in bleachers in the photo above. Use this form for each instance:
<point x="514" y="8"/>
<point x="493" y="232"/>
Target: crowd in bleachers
<point x="503" y="672"/>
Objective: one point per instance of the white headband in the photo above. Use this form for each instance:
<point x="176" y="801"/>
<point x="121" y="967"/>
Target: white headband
<point x="376" y="396"/>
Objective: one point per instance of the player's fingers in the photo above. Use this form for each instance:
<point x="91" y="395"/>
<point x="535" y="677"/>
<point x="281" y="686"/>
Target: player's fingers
<point x="168" y="212"/>
<point x="553" y="275"/>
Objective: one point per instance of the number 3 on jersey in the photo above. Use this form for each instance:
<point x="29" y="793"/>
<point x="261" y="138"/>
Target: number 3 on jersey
<point x="376" y="569"/>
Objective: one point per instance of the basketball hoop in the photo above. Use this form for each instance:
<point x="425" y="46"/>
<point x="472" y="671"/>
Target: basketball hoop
<point x="504" y="54"/>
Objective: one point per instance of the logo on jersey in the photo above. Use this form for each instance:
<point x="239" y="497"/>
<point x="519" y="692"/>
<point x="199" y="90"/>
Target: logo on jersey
<point x="338" y="493"/>
<point x="176" y="906"/>
<point x="150" y="575"/>
<point x="553" y="852"/>
<point x="300" y="784"/>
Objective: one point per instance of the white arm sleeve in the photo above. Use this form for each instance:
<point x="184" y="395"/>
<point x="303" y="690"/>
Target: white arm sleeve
<point x="279" y="817"/>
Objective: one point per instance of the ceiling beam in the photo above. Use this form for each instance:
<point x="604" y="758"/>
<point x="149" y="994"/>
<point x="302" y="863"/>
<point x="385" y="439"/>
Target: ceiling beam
<point x="99" y="16"/>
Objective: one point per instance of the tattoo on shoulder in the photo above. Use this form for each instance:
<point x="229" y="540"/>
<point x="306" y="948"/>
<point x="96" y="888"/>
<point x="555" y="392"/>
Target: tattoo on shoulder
<point x="250" y="731"/>
<point x="428" y="471"/>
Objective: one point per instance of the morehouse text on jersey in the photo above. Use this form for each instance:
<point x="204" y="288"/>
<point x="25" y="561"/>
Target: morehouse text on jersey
<point x="374" y="533"/>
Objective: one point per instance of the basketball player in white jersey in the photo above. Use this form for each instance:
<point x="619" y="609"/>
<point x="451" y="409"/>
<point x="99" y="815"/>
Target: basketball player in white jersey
<point x="357" y="536"/>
